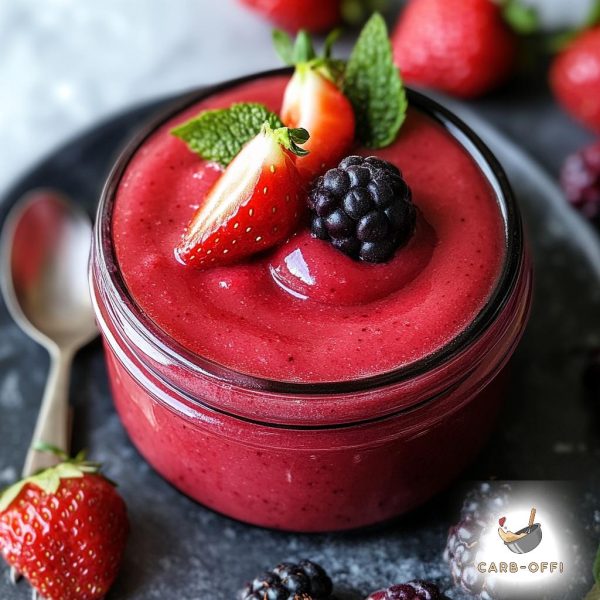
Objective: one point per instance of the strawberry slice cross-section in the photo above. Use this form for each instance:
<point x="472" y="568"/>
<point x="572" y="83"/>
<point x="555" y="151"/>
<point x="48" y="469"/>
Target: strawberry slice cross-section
<point x="255" y="204"/>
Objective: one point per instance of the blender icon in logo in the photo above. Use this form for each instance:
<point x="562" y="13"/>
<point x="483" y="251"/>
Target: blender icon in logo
<point x="523" y="541"/>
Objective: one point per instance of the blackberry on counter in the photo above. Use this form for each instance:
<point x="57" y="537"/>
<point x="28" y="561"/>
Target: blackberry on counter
<point x="363" y="207"/>
<point x="413" y="590"/>
<point x="289" y="581"/>
<point x="580" y="180"/>
<point x="481" y="507"/>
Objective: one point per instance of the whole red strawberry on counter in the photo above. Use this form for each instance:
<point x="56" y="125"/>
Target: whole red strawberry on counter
<point x="461" y="47"/>
<point x="64" y="529"/>
<point x="575" y="78"/>
<point x="313" y="15"/>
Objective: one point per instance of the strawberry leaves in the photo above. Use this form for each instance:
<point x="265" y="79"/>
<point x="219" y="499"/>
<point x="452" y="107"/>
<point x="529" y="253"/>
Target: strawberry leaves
<point x="218" y="135"/>
<point x="290" y="138"/>
<point x="301" y="54"/>
<point x="293" y="53"/>
<point x="49" y="480"/>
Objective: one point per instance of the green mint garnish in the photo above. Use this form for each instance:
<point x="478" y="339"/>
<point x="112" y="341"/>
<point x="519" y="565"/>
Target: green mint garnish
<point x="374" y="86"/>
<point x="219" y="135"/>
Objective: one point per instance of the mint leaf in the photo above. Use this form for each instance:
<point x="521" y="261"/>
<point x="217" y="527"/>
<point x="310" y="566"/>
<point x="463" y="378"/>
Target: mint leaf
<point x="219" y="135"/>
<point x="521" y="18"/>
<point x="374" y="86"/>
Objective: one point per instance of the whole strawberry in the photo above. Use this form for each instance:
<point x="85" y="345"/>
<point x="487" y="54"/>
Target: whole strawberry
<point x="575" y="78"/>
<point x="64" y="529"/>
<point x="461" y="47"/>
<point x="314" y="101"/>
<point x="313" y="15"/>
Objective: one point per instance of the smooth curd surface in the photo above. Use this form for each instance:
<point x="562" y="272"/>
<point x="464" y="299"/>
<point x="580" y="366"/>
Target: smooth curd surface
<point x="344" y="320"/>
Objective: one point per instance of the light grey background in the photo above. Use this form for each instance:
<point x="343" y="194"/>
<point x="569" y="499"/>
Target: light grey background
<point x="64" y="64"/>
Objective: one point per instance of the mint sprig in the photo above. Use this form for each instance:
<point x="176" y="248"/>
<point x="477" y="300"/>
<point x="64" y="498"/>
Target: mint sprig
<point x="218" y="135"/>
<point x="373" y="84"/>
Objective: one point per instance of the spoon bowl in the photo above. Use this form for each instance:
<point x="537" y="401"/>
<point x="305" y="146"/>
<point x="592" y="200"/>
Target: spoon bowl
<point x="46" y="244"/>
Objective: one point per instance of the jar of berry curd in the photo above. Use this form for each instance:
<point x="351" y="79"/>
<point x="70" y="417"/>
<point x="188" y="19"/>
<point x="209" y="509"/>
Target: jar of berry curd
<point x="300" y="389"/>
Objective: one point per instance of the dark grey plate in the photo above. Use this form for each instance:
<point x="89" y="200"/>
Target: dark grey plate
<point x="182" y="551"/>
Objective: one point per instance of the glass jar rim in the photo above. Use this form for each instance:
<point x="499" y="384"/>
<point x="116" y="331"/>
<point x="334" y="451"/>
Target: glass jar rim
<point x="161" y="341"/>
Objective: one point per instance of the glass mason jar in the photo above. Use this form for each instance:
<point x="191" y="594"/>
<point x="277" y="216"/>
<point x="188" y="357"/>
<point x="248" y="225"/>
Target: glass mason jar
<point x="310" y="456"/>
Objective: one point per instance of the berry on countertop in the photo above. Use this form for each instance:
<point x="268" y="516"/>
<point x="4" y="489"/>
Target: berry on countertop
<point x="305" y="580"/>
<point x="461" y="47"/>
<point x="292" y="15"/>
<point x="64" y="529"/>
<point x="575" y="78"/>
<point x="363" y="207"/>
<point x="255" y="204"/>
<point x="580" y="180"/>
<point x="314" y="101"/>
<point x="480" y="510"/>
<point x="413" y="590"/>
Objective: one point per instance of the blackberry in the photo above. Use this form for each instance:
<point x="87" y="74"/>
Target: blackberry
<point x="413" y="590"/>
<point x="580" y="180"/>
<point x="363" y="207"/>
<point x="289" y="581"/>
<point x="480" y="510"/>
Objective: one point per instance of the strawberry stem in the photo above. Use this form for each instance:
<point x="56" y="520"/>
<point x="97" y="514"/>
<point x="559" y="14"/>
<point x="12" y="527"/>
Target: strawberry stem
<point x="289" y="138"/>
<point x="301" y="54"/>
<point x="50" y="449"/>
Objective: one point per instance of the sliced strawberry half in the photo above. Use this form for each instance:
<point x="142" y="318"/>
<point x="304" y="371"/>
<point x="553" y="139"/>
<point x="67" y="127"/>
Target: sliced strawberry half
<point x="255" y="204"/>
<point x="314" y="102"/>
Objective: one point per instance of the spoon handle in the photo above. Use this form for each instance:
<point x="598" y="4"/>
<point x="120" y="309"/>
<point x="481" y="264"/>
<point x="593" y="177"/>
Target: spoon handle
<point x="52" y="426"/>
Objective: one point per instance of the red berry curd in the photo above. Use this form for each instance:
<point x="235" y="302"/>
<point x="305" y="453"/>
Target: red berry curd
<point x="300" y="389"/>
